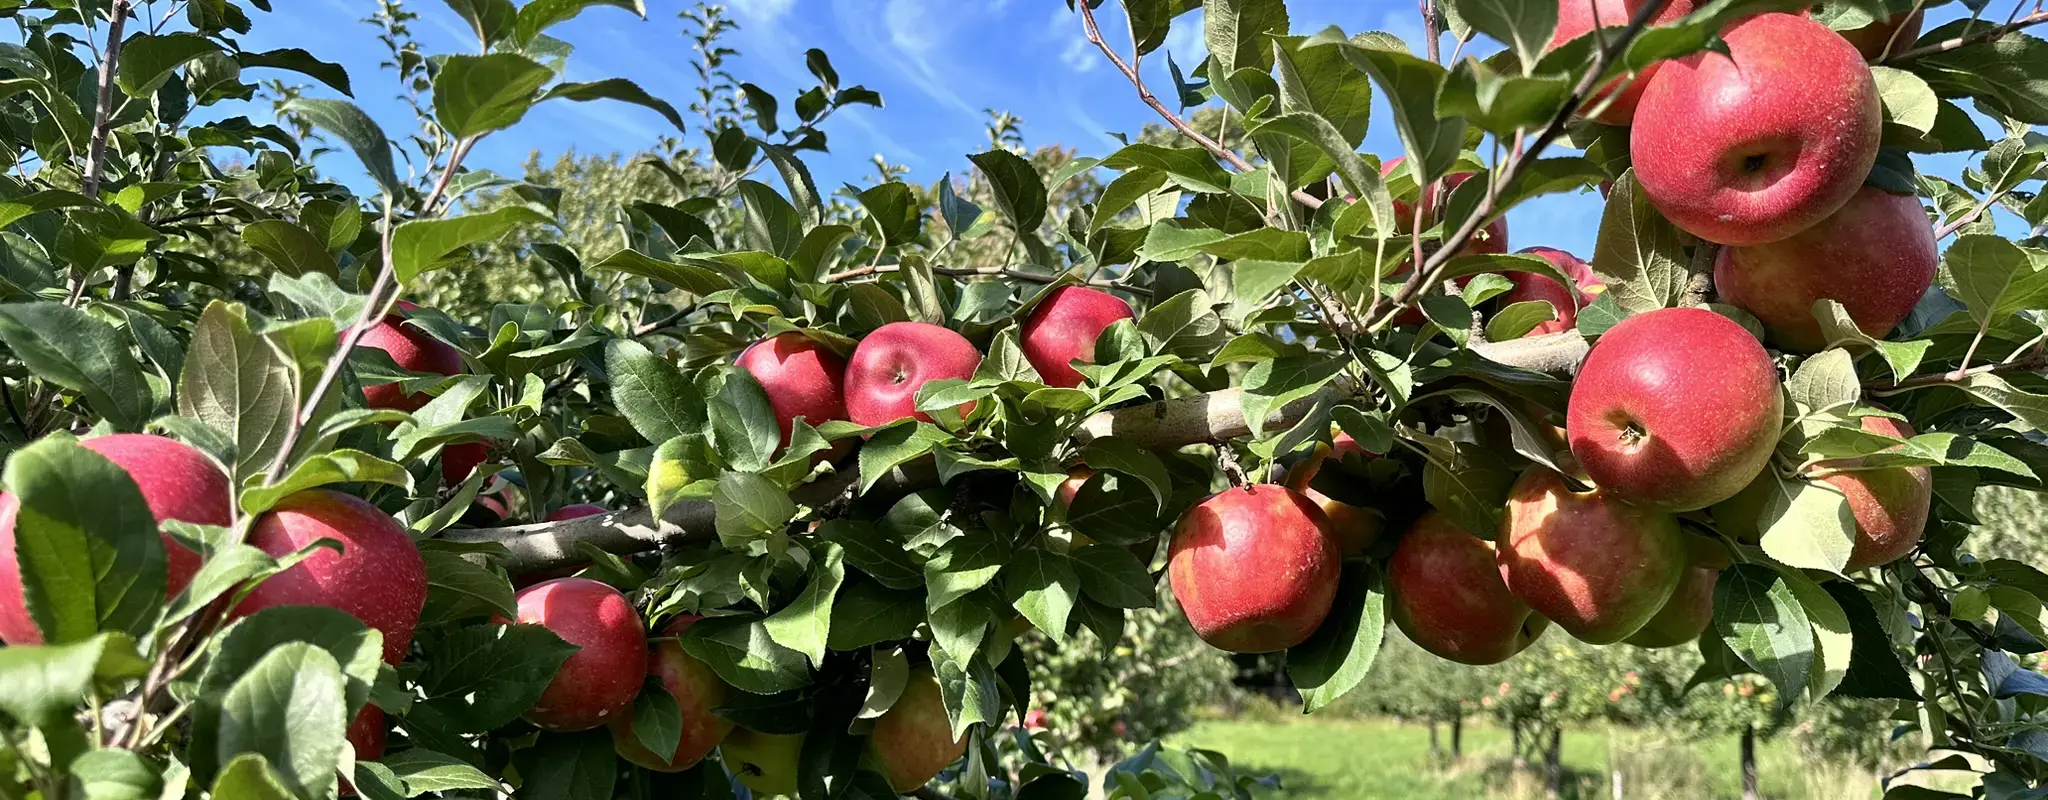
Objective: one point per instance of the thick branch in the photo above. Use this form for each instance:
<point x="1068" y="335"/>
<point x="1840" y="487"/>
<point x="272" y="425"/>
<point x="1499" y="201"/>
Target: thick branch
<point x="1979" y="37"/>
<point x="1166" y="425"/>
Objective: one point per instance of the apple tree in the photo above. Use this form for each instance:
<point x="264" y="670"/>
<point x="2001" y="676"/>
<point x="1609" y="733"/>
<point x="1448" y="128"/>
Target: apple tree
<point x="766" y="507"/>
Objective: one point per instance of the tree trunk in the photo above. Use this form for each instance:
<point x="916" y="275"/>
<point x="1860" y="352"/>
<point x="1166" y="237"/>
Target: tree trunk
<point x="1749" y="787"/>
<point x="1458" y="737"/>
<point x="1436" y="751"/>
<point x="1521" y="762"/>
<point x="1553" y="765"/>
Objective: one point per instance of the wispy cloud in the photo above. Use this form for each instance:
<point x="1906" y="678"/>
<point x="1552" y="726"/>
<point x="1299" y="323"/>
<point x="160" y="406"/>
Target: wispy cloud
<point x="763" y="10"/>
<point x="907" y="36"/>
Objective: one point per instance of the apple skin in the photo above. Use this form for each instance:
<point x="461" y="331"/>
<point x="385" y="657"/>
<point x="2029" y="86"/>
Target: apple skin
<point x="378" y="577"/>
<point x="1871" y="40"/>
<point x="1596" y="566"/>
<point x="1445" y="592"/>
<point x="1035" y="720"/>
<point x="1756" y="148"/>
<point x="1063" y="328"/>
<point x="1675" y="409"/>
<point x="177" y="482"/>
<point x="1575" y="18"/>
<point x="1890" y="505"/>
<point x="1876" y="256"/>
<point x="764" y="762"/>
<point x="367" y="732"/>
<point x="913" y="741"/>
<point x="1254" y="568"/>
<point x="413" y="349"/>
<point x="896" y="360"/>
<point x="1686" y="615"/>
<point x="1490" y="240"/>
<point x="459" y="460"/>
<point x="576" y="511"/>
<point x="802" y="377"/>
<point x="1356" y="527"/>
<point x="599" y="681"/>
<point x="696" y="690"/>
<point x="1531" y="287"/>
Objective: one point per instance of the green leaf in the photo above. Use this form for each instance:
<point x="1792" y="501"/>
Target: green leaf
<point x="295" y="60"/>
<point x="1112" y="576"/>
<point x="357" y="648"/>
<point x="458" y="588"/>
<point x="80" y="352"/>
<point x="749" y="508"/>
<point x="1118" y="455"/>
<point x="1831" y="634"/>
<point x="491" y="20"/>
<point x="88" y="549"/>
<point x="248" y="776"/>
<point x="1271" y="385"/>
<point x="772" y="223"/>
<point x="880" y="556"/>
<point x="483" y="676"/>
<point x="474" y="95"/>
<point x="1825" y="382"/>
<point x="355" y="129"/>
<point x="893" y="446"/>
<point x="112" y="774"/>
<point x="1841" y="329"/>
<point x="1191" y="168"/>
<point x="651" y="393"/>
<point x="540" y="15"/>
<point x="657" y="719"/>
<point x="1468" y="483"/>
<point x="744" y="655"/>
<point x="569" y="766"/>
<point x="1237" y="32"/>
<point x="1335" y="659"/>
<point x="1043" y="586"/>
<point x="688" y="277"/>
<point x="619" y="89"/>
<point x="743" y="427"/>
<point x="1019" y="192"/>
<point x="289" y="708"/>
<point x="1805" y="524"/>
<point x="2029" y="407"/>
<point x="419" y="246"/>
<point x="894" y="211"/>
<point x="1525" y="28"/>
<point x="40" y="684"/>
<point x="15" y="209"/>
<point x="1640" y="254"/>
<point x="338" y="466"/>
<point x="1185" y="325"/>
<point x="423" y="771"/>
<point x="868" y="613"/>
<point x="1410" y="85"/>
<point x="961" y="566"/>
<point x="1907" y="99"/>
<point x="147" y="61"/>
<point x="1759" y="618"/>
<point x="1518" y="319"/>
<point x="806" y="623"/>
<point x="1993" y="277"/>
<point x="292" y="249"/>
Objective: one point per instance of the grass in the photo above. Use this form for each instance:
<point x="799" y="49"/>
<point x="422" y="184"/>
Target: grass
<point x="1375" y="758"/>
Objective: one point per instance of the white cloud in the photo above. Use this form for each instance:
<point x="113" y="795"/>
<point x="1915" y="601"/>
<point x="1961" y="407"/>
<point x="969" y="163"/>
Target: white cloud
<point x="907" y="36"/>
<point x="763" y="10"/>
<point x="1185" y="41"/>
<point x="1080" y="56"/>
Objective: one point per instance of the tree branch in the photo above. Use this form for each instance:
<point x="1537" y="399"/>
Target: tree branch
<point x="966" y="272"/>
<point x="1165" y="425"/>
<point x="102" y="120"/>
<point x="1959" y="222"/>
<point x="1960" y="42"/>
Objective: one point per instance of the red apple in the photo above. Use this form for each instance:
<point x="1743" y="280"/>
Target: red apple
<point x="177" y="482"/>
<point x="1063" y="328"/>
<point x="1873" y="40"/>
<point x="1531" y="287"/>
<point x="1035" y="719"/>
<point x="412" y="349"/>
<point x="801" y="376"/>
<point x="1689" y="611"/>
<point x="367" y="733"/>
<point x="1576" y="18"/>
<point x="913" y="741"/>
<point x="576" y="511"/>
<point x="1675" y="409"/>
<point x="378" y="576"/>
<point x="1255" y="568"/>
<point x="1761" y="142"/>
<point x="896" y="360"/>
<point x="1492" y="239"/>
<point x="1445" y="592"/>
<point x="459" y="460"/>
<point x="1876" y="256"/>
<point x="1356" y="527"/>
<point x="1596" y="566"/>
<point x="601" y="679"/>
<point x="1890" y="505"/>
<point x="495" y="505"/>
<point x="696" y="690"/>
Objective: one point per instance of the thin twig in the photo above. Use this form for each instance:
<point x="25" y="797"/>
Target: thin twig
<point x="1145" y="94"/>
<point x="2027" y="364"/>
<point x="1430" y="273"/>
<point x="1980" y="37"/>
<point x="102" y="120"/>
<point x="1960" y="222"/>
<point x="965" y="272"/>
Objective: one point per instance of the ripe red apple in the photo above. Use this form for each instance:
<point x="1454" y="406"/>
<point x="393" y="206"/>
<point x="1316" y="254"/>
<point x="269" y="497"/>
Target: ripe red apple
<point x="696" y="690"/>
<point x="1531" y="287"/>
<point x="896" y="360"/>
<point x="1255" y="568"/>
<point x="1576" y="18"/>
<point x="495" y="506"/>
<point x="600" y="680"/>
<point x="412" y="349"/>
<point x="177" y="482"/>
<point x="1876" y="256"/>
<point x="1445" y="592"/>
<point x="576" y="511"/>
<point x="1675" y="409"/>
<point x="801" y="376"/>
<point x="1063" y="328"/>
<point x="1356" y="527"/>
<point x="1596" y="566"/>
<point x="378" y="577"/>
<point x="1890" y="505"/>
<point x="1871" y="40"/>
<point x="1760" y="143"/>
<point x="1691" y="607"/>
<point x="368" y="732"/>
<point x="913" y="741"/>
<point x="459" y="460"/>
<point x="764" y="762"/>
<point x="1035" y="719"/>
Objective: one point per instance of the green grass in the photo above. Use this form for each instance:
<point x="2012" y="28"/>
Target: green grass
<point x="1354" y="759"/>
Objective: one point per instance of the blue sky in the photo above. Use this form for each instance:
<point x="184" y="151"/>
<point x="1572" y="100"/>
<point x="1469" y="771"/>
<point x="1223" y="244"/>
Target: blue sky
<point x="937" y="63"/>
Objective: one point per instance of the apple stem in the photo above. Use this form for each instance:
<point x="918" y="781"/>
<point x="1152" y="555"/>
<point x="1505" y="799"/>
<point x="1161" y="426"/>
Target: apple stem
<point x="1233" y="470"/>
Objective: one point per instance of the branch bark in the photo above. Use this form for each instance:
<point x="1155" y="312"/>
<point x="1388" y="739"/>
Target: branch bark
<point x="1987" y="35"/>
<point x="1165" y="425"/>
<point x="102" y="120"/>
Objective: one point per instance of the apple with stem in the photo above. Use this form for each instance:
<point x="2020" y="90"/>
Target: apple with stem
<point x="898" y="359"/>
<point x="599" y="681"/>
<point x="1255" y="568"/>
<point x="1445" y="592"/>
<point x="1598" y="567"/>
